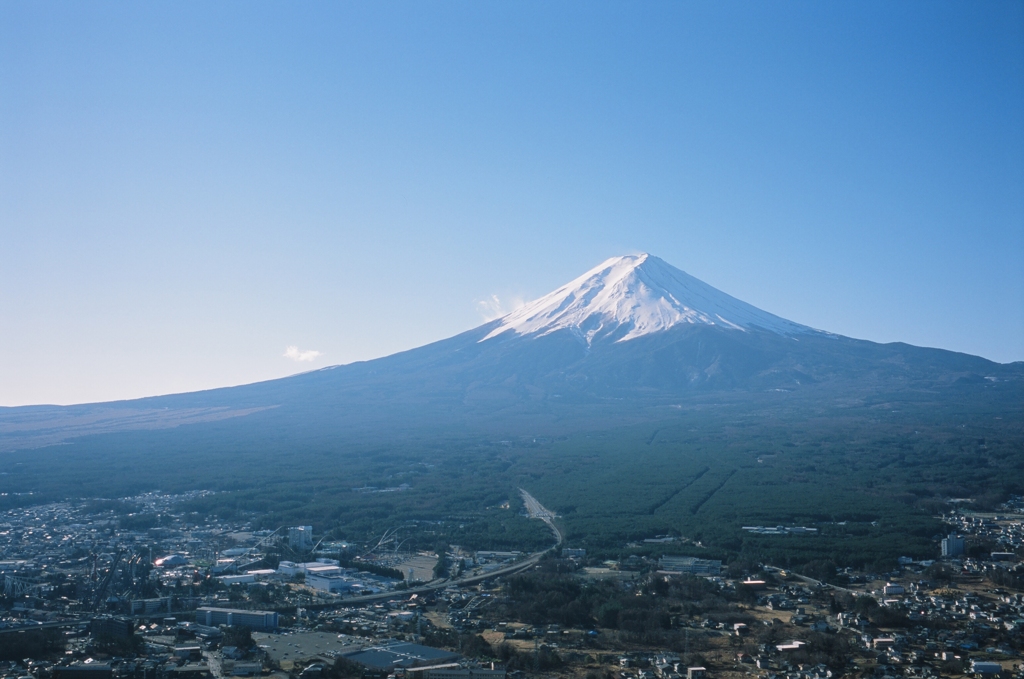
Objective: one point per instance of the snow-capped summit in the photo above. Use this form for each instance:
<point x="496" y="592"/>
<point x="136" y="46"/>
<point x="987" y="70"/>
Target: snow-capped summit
<point x="633" y="296"/>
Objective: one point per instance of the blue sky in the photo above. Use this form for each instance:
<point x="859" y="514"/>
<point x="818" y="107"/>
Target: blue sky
<point x="188" y="189"/>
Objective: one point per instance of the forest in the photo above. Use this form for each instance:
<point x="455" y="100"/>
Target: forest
<point x="870" y="476"/>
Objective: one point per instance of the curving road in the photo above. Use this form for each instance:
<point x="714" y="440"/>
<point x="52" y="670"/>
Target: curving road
<point x="534" y="509"/>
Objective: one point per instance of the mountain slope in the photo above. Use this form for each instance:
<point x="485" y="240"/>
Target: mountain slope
<point x="632" y="335"/>
<point x="634" y="401"/>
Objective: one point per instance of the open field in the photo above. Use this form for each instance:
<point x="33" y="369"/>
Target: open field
<point x="421" y="565"/>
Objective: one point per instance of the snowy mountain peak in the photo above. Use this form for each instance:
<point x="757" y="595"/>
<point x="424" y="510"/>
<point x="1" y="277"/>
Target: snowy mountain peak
<point x="633" y="296"/>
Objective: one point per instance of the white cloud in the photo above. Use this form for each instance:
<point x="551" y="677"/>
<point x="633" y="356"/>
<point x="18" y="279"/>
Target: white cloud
<point x="293" y="353"/>
<point x="494" y="307"/>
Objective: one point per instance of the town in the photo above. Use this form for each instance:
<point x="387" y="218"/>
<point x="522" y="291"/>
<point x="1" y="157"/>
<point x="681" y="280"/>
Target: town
<point x="93" y="591"/>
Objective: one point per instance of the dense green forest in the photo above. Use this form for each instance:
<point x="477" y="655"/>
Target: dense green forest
<point x="870" y="475"/>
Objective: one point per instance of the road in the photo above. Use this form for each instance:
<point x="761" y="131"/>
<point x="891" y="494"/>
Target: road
<point x="536" y="510"/>
<point x="533" y="508"/>
<point x="812" y="581"/>
<point x="528" y="562"/>
<point x="45" y="625"/>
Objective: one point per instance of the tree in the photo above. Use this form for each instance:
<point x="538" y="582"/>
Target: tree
<point x="441" y="567"/>
<point x="238" y="636"/>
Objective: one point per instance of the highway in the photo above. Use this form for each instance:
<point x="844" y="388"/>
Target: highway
<point x="46" y="625"/>
<point x="812" y="581"/>
<point x="528" y="562"/>
<point x="534" y="509"/>
<point x="537" y="511"/>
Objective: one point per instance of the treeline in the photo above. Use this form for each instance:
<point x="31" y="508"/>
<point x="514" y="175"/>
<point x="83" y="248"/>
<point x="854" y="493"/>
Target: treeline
<point x="542" y="659"/>
<point x="552" y="595"/>
<point x="1007" y="578"/>
<point x="375" y="568"/>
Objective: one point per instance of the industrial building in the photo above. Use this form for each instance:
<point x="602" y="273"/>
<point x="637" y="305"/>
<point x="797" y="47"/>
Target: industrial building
<point x="400" y="654"/>
<point x="456" y="671"/>
<point x="333" y="583"/>
<point x="690" y="564"/>
<point x="320" y="566"/>
<point x="112" y="627"/>
<point x="257" y="620"/>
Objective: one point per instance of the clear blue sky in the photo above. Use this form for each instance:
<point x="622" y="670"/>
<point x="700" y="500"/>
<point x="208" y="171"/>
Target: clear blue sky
<point x="187" y="189"/>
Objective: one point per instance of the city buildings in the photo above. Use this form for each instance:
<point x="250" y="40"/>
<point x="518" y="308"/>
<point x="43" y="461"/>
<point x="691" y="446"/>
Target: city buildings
<point x="952" y="546"/>
<point x="256" y="620"/>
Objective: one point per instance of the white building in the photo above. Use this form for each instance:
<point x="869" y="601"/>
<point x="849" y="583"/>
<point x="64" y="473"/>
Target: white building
<point x="291" y="568"/>
<point x="334" y="584"/>
<point x="300" y="537"/>
<point x="323" y="570"/>
<point x="952" y="545"/>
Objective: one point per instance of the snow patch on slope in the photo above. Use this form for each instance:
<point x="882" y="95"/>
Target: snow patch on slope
<point x="640" y="295"/>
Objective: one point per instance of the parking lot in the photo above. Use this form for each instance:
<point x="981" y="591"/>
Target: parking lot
<point x="289" y="648"/>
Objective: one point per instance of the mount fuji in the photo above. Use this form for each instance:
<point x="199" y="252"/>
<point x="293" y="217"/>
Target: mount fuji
<point x="625" y="340"/>
<point x="636" y="295"/>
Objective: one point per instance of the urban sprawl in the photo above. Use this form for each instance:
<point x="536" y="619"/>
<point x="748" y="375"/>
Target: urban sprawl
<point x="91" y="593"/>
